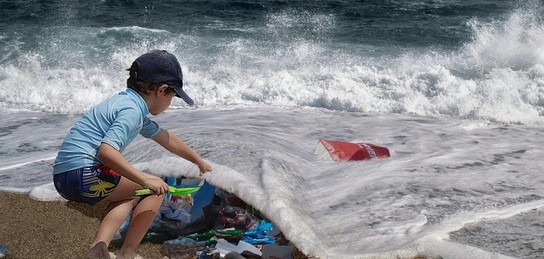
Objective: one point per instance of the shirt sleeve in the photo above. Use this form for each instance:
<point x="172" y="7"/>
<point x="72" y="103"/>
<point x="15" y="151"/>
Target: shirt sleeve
<point x="126" y="121"/>
<point x="150" y="129"/>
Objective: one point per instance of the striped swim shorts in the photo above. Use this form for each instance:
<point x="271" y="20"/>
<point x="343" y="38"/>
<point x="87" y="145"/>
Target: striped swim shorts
<point x="88" y="184"/>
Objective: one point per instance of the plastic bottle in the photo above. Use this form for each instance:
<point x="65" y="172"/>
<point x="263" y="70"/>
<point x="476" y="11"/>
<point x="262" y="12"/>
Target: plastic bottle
<point x="202" y="236"/>
<point x="230" y="234"/>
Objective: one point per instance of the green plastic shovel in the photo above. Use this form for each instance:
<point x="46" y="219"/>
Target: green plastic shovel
<point x="174" y="191"/>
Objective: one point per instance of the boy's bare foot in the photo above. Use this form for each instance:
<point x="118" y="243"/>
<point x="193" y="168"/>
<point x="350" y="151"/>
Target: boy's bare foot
<point x="134" y="256"/>
<point x="108" y="255"/>
<point x="100" y="251"/>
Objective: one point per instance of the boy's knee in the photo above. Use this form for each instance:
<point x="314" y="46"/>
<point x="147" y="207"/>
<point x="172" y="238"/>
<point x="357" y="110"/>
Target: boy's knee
<point x="156" y="199"/>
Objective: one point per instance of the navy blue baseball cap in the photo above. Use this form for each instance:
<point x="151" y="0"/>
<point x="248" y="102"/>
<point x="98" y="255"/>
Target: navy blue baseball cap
<point x="159" y="66"/>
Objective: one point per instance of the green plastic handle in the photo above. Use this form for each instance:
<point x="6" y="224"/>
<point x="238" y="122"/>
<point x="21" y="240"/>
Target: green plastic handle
<point x="174" y="191"/>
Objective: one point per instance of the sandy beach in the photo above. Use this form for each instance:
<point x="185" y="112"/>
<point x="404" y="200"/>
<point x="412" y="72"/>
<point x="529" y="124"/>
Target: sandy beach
<point x="54" y="229"/>
<point x="38" y="229"/>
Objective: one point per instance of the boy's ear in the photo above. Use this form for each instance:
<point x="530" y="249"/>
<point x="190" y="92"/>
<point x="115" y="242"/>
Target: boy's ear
<point x="162" y="89"/>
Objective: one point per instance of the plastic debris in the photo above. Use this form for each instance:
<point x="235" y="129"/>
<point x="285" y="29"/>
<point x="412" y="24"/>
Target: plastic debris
<point x="211" y="224"/>
<point x="205" y="236"/>
<point x="179" y="248"/>
<point x="235" y="217"/>
<point x="224" y="247"/>
<point x="177" y="210"/>
<point x="259" y="234"/>
<point x="232" y="235"/>
<point x="345" y="151"/>
<point x="3" y="251"/>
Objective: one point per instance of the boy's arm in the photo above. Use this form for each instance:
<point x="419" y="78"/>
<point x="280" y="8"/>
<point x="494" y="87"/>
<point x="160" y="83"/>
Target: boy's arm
<point x="174" y="144"/>
<point x="111" y="158"/>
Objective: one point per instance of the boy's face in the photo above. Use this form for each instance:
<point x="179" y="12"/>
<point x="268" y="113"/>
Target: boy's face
<point x="163" y="97"/>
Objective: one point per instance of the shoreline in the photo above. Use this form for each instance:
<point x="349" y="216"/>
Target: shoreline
<point x="34" y="229"/>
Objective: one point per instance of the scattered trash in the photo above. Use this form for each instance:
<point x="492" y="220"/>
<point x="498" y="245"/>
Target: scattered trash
<point x="226" y="247"/>
<point x="230" y="234"/>
<point x="259" y="234"/>
<point x="346" y="151"/>
<point x="210" y="224"/>
<point x="235" y="217"/>
<point x="179" y="248"/>
<point x="177" y="210"/>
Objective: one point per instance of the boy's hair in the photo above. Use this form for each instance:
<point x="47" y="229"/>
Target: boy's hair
<point x="141" y="86"/>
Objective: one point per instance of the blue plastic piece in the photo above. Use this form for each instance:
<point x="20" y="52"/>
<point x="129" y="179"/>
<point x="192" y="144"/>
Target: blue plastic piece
<point x="202" y="198"/>
<point x="3" y="251"/>
<point x="258" y="235"/>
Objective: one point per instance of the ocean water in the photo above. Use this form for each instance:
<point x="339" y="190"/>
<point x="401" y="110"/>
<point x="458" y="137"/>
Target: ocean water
<point x="454" y="89"/>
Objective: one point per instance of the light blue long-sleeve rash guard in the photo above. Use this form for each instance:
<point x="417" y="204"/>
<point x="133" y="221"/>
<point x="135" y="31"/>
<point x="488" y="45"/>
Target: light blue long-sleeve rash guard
<point x="117" y="121"/>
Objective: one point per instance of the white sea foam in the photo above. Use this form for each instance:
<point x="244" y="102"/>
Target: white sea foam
<point x="497" y="76"/>
<point x="46" y="192"/>
<point x="11" y="167"/>
<point x="442" y="175"/>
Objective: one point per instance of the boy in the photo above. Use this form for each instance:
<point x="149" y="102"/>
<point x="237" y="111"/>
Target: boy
<point x="90" y="167"/>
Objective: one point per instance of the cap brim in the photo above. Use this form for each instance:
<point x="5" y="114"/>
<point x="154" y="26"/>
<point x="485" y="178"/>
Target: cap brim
<point x="181" y="94"/>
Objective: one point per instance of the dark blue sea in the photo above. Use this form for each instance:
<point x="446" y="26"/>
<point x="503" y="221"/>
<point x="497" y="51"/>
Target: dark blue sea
<point x="454" y="89"/>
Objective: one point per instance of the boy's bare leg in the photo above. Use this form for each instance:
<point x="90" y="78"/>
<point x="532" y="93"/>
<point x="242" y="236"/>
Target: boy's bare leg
<point x="116" y="212"/>
<point x="142" y="218"/>
<point x="122" y="201"/>
<point x="115" y="215"/>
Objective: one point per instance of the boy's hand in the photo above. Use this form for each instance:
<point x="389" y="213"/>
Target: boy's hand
<point x="157" y="185"/>
<point x="204" y="167"/>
